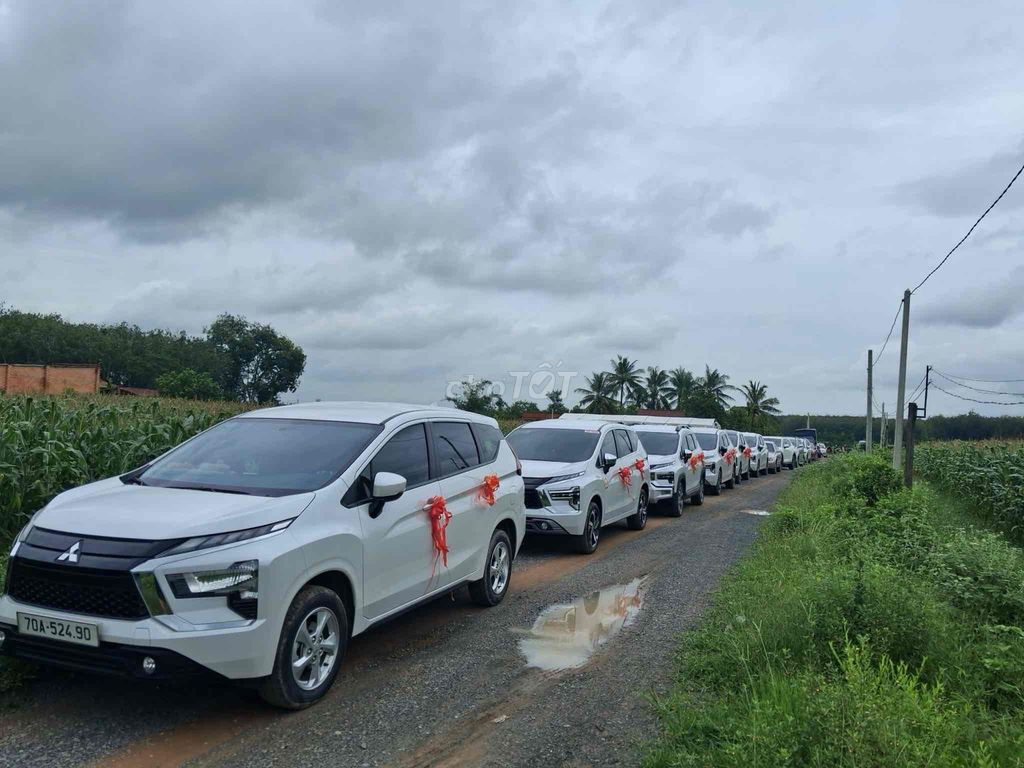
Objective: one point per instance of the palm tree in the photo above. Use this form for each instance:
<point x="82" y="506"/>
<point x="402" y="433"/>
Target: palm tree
<point x="683" y="383"/>
<point x="657" y="391"/>
<point x="717" y="385"/>
<point x="598" y="395"/>
<point x="759" y="405"/>
<point x="624" y="377"/>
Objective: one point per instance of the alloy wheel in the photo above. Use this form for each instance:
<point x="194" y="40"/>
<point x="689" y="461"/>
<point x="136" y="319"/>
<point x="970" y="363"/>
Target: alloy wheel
<point x="593" y="526"/>
<point x="500" y="567"/>
<point x="315" y="648"/>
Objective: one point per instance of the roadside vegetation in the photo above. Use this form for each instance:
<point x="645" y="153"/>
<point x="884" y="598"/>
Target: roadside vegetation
<point x="871" y="625"/>
<point x="994" y="471"/>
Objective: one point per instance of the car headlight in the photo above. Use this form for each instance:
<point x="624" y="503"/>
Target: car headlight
<point x="239" y="583"/>
<point x="217" y="539"/>
<point x="560" y="478"/>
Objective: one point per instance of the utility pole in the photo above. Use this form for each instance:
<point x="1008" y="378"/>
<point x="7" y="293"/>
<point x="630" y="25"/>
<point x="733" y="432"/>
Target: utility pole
<point x="867" y="427"/>
<point x="901" y="393"/>
<point x="908" y="468"/>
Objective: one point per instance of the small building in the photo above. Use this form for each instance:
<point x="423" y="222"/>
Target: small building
<point x="17" y="378"/>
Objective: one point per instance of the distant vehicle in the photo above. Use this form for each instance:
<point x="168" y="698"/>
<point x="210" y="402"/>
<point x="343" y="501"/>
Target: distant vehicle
<point x="758" y="453"/>
<point x="811" y="435"/>
<point x="788" y="448"/>
<point x="675" y="475"/>
<point x="803" y="450"/>
<point x="774" y="452"/>
<point x="581" y="476"/>
<point x="822" y="450"/>
<point x="720" y="465"/>
<point x="739" y="442"/>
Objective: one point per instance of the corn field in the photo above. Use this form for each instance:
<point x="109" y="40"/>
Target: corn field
<point x="50" y="444"/>
<point x="991" y="473"/>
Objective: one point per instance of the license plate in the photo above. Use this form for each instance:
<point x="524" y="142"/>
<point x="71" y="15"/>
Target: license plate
<point x="58" y="629"/>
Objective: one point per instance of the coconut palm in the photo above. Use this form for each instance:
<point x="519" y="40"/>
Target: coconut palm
<point x="759" y="405"/>
<point x="599" y="394"/>
<point x="716" y="383"/>
<point x="624" y="377"/>
<point x="683" y="383"/>
<point x="657" y="389"/>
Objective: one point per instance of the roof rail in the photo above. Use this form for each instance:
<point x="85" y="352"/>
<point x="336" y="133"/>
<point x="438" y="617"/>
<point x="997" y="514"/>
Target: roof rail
<point x="673" y="421"/>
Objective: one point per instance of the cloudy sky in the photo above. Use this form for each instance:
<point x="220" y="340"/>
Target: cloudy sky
<point x="417" y="191"/>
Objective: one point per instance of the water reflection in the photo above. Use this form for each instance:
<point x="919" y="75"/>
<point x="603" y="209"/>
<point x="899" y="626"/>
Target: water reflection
<point x="566" y="636"/>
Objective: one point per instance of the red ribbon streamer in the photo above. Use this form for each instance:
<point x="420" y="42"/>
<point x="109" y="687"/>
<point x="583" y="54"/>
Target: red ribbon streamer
<point x="639" y="464"/>
<point x="695" y="459"/>
<point x="730" y="455"/>
<point x="626" y="476"/>
<point x="746" y="452"/>
<point x="490" y="485"/>
<point x="439" y="517"/>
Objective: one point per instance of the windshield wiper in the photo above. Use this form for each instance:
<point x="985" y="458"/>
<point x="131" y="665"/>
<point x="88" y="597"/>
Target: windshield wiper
<point x="133" y="480"/>
<point x="209" y="488"/>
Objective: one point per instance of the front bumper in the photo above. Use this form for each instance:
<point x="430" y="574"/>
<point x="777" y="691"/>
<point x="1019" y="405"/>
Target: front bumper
<point x="556" y="520"/>
<point x="662" y="485"/>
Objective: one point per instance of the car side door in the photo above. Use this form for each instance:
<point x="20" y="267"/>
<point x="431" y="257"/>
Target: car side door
<point x="627" y="455"/>
<point x="397" y="545"/>
<point x="614" y="495"/>
<point x="693" y="474"/>
<point x="461" y="475"/>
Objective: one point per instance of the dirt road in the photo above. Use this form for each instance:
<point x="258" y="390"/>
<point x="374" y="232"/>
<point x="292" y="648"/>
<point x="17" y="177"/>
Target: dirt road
<point x="446" y="685"/>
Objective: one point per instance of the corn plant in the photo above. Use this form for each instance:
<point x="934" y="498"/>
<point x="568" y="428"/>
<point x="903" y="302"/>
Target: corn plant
<point x="50" y="444"/>
<point x="991" y="472"/>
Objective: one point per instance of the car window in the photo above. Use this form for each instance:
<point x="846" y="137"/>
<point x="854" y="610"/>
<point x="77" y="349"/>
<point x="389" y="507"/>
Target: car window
<point x="405" y="454"/>
<point x="456" y="449"/>
<point x="708" y="441"/>
<point x="549" y="444"/>
<point x="631" y="435"/>
<point x="488" y="439"/>
<point x="622" y="443"/>
<point x="608" y="446"/>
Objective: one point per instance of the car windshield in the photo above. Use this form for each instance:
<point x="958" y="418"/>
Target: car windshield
<point x="706" y="440"/>
<point x="659" y="443"/>
<point x="262" y="457"/>
<point x="771" y="444"/>
<point x="562" y="445"/>
<point x="751" y="440"/>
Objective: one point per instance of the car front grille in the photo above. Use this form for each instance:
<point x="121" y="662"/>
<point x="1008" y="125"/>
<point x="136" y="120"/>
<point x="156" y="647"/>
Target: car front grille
<point x="90" y="591"/>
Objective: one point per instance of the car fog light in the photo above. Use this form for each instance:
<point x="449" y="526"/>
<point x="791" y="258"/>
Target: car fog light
<point x="149" y="665"/>
<point x="544" y="526"/>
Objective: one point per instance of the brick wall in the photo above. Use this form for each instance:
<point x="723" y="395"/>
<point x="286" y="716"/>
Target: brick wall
<point x="49" y="379"/>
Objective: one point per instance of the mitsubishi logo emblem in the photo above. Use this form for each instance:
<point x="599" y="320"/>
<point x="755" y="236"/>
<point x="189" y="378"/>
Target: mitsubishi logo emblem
<point x="72" y="554"/>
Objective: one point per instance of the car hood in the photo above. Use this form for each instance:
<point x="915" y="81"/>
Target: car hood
<point x="109" y="508"/>
<point x="657" y="458"/>
<point x="552" y="468"/>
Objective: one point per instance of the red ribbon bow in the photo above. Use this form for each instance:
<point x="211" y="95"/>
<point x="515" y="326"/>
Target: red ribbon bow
<point x="439" y="517"/>
<point x="626" y="476"/>
<point x="746" y="452"/>
<point x="695" y="459"/>
<point x="730" y="455"/>
<point x="490" y="485"/>
<point x="639" y="464"/>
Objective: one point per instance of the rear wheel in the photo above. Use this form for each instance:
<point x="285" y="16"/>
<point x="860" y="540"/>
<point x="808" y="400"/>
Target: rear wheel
<point x="678" y="500"/>
<point x="586" y="542"/>
<point x="491" y="589"/>
<point x="309" y="652"/>
<point x="733" y="480"/>
<point x="638" y="519"/>
<point x="716" y="489"/>
<point x="698" y="497"/>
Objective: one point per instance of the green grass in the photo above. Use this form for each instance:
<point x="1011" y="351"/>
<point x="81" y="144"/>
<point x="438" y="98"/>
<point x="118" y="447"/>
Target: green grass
<point x="870" y="626"/>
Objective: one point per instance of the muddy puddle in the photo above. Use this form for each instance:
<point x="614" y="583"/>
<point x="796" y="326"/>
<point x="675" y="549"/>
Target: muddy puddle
<point x="566" y="636"/>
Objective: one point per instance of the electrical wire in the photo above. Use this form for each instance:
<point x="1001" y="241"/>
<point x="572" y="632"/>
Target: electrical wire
<point x="888" y="336"/>
<point x="978" y="389"/>
<point x="971" y="399"/>
<point x="983" y="381"/>
<point x="962" y="239"/>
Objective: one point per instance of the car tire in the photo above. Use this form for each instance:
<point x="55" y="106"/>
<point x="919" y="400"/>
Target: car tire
<point x="698" y="498"/>
<point x="678" y="501"/>
<point x="491" y="589"/>
<point x="638" y="520"/>
<point x="732" y="482"/>
<point x="587" y="541"/>
<point x="316" y="616"/>
<point x="716" y="489"/>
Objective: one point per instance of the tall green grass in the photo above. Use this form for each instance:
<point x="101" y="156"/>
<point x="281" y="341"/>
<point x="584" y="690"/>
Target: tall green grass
<point x="861" y="631"/>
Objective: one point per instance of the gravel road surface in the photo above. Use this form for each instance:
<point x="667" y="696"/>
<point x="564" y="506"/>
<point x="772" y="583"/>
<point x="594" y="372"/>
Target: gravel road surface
<point x="444" y="685"/>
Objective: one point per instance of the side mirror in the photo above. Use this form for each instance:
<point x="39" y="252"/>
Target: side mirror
<point x="723" y="450"/>
<point x="387" y="486"/>
<point x="608" y="461"/>
<point x="686" y="454"/>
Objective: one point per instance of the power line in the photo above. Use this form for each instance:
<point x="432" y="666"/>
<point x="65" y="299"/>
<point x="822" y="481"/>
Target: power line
<point x="962" y="239"/>
<point x="889" y="335"/>
<point x="978" y="389"/>
<point x="984" y="381"/>
<point x="971" y="399"/>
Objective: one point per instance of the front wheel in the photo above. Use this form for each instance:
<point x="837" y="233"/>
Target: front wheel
<point x="733" y="481"/>
<point x="309" y="652"/>
<point x="638" y="520"/>
<point x="716" y="489"/>
<point x="678" y="500"/>
<point x="586" y="542"/>
<point x="491" y="589"/>
<point x="698" y="497"/>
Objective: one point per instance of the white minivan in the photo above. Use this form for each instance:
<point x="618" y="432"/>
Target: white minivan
<point x="581" y="476"/>
<point x="787" y="447"/>
<point x="719" y="457"/>
<point x="675" y="475"/>
<point x="758" y="454"/>
<point x="258" y="547"/>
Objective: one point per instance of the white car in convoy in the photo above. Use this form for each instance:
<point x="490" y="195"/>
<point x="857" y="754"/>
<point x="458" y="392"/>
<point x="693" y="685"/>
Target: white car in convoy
<point x="676" y="471"/>
<point x="758" y="453"/>
<point x="774" y="454"/>
<point x="788" y="448"/>
<point x="581" y="476"/>
<point x="822" y="450"/>
<point x="739" y="442"/>
<point x="803" y="450"/>
<point x="720" y="466"/>
<point x="260" y="546"/>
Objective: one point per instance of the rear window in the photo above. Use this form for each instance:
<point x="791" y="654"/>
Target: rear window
<point x="563" y="445"/>
<point x="622" y="443"/>
<point x="488" y="439"/>
<point x="456" y="448"/>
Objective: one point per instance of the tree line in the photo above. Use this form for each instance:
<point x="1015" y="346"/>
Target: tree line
<point x="234" y="359"/>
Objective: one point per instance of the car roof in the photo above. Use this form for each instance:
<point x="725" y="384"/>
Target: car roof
<point x="706" y="430"/>
<point x="658" y="428"/>
<point x="363" y="412"/>
<point x="583" y="425"/>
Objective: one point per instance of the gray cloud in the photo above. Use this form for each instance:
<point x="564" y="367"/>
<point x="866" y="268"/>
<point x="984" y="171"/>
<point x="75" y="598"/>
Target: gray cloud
<point x="985" y="307"/>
